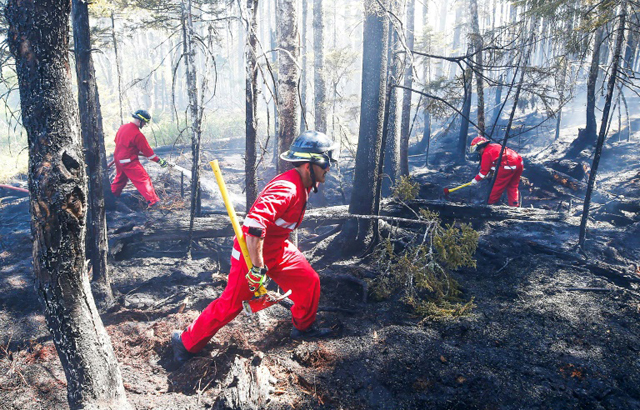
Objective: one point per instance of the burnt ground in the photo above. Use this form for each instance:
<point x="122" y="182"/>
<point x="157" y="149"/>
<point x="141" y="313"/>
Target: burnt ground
<point x="551" y="329"/>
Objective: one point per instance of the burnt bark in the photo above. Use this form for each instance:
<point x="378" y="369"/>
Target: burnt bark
<point x="251" y="104"/>
<point x="464" y="118"/>
<point x="95" y="156"/>
<point x="587" y="137"/>
<point x="288" y="77"/>
<point x="391" y="145"/>
<point x="367" y="176"/>
<point x="477" y="45"/>
<point x="603" y="125"/>
<point x="194" y="111"/>
<point x="38" y="38"/>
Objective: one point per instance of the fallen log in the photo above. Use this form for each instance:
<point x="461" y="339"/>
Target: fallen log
<point x="126" y="233"/>
<point x="467" y="212"/>
<point x="550" y="179"/>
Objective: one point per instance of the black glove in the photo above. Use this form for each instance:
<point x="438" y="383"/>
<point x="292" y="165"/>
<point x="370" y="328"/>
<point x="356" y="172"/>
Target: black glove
<point x="163" y="163"/>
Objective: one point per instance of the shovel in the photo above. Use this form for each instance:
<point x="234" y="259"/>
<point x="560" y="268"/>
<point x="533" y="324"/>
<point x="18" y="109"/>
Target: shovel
<point x="447" y="191"/>
<point x="262" y="299"/>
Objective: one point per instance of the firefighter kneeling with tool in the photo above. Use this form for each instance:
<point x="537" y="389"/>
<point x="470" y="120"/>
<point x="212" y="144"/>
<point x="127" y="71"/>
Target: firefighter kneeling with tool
<point x="277" y="211"/>
<point x="508" y="177"/>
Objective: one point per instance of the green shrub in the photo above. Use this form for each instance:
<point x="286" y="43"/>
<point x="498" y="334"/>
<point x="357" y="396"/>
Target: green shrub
<point x="406" y="189"/>
<point x="419" y="273"/>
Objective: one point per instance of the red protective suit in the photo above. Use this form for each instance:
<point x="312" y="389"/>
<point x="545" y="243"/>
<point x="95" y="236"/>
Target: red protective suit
<point x="130" y="142"/>
<point x="508" y="178"/>
<point x="278" y="210"/>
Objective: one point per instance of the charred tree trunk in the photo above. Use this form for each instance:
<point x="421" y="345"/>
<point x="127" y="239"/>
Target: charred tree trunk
<point x="194" y="110"/>
<point x="288" y="77"/>
<point x="320" y="86"/>
<point x="366" y="177"/>
<point x="477" y="44"/>
<point x="587" y="137"/>
<point x="95" y="156"/>
<point x="464" y="119"/>
<point x="391" y="163"/>
<point x="603" y="125"/>
<point x="38" y="38"/>
<point x="408" y="83"/>
<point x="251" y="104"/>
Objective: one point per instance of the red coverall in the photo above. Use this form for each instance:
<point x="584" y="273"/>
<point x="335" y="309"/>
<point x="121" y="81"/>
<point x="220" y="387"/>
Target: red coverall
<point x="508" y="178"/>
<point x="130" y="141"/>
<point x="278" y="210"/>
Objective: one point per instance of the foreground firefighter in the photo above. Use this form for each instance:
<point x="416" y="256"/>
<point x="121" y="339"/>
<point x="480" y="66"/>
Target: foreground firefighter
<point x="508" y="177"/>
<point x="277" y="211"/>
<point x="130" y="141"/>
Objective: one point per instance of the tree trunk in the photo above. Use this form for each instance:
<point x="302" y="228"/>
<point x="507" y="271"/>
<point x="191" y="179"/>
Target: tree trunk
<point x="563" y="79"/>
<point x="464" y="119"/>
<point x="95" y="156"/>
<point x="288" y="77"/>
<point x="391" y="163"/>
<point x="477" y="45"/>
<point x="366" y="176"/>
<point x="38" y="38"/>
<point x="118" y="72"/>
<point x="304" y="51"/>
<point x="194" y="110"/>
<point x="251" y="104"/>
<point x="320" y="87"/>
<point x="603" y="124"/>
<point x="587" y="137"/>
<point x="408" y="83"/>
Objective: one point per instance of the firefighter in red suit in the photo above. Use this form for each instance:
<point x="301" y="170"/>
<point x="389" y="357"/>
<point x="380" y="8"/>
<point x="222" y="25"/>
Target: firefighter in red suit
<point x="508" y="177"/>
<point x="130" y="141"/>
<point x="277" y="211"/>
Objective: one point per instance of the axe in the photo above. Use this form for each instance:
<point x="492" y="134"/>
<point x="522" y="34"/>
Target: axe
<point x="262" y="298"/>
<point x="447" y="191"/>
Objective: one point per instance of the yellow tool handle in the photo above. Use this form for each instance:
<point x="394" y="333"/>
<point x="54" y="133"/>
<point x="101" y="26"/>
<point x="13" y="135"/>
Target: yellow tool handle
<point x="234" y="220"/>
<point x="459" y="187"/>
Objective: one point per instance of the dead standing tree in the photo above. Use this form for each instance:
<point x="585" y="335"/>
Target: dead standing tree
<point x="38" y="38"/>
<point x="95" y="156"/>
<point x="288" y="77"/>
<point x="251" y="103"/>
<point x="195" y="113"/>
<point x="622" y="15"/>
<point x="374" y="75"/>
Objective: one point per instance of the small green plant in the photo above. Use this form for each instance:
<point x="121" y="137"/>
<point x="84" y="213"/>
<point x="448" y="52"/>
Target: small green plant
<point x="419" y="272"/>
<point x="406" y="189"/>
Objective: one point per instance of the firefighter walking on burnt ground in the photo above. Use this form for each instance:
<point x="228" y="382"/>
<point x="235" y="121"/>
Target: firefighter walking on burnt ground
<point x="508" y="177"/>
<point x="130" y="142"/>
<point x="277" y="211"/>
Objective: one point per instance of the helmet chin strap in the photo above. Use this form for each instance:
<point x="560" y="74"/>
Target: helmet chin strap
<point x="313" y="178"/>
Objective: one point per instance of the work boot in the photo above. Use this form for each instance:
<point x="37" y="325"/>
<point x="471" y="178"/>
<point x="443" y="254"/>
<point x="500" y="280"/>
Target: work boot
<point x="313" y="332"/>
<point x="180" y="353"/>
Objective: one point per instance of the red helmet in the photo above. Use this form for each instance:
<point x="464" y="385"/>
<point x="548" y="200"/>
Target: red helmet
<point x="478" y="142"/>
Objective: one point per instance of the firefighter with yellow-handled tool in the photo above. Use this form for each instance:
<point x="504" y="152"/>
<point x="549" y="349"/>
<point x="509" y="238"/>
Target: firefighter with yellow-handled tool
<point x="277" y="211"/>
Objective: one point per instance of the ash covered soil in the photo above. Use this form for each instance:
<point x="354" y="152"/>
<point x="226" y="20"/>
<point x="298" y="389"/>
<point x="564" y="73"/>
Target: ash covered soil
<point x="551" y="329"/>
